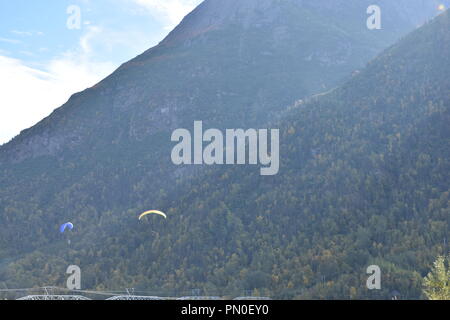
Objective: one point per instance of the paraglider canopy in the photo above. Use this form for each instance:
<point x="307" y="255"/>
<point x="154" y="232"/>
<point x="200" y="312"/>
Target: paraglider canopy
<point x="68" y="225"/>
<point x="152" y="212"/>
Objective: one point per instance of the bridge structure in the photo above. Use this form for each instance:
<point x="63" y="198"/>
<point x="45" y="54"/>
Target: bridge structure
<point x="54" y="297"/>
<point x="125" y="297"/>
<point x="61" y="294"/>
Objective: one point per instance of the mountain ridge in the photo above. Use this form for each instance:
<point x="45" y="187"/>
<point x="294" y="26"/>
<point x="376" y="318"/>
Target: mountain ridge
<point x="323" y="56"/>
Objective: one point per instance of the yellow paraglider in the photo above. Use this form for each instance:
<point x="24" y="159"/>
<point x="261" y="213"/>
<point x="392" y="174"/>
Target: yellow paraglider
<point x="152" y="212"/>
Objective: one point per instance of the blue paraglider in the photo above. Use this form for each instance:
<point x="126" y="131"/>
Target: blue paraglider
<point x="68" y="225"/>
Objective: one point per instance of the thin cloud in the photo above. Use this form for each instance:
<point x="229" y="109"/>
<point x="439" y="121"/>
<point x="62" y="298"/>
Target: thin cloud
<point x="27" y="33"/>
<point x="8" y="40"/>
<point x="170" y="11"/>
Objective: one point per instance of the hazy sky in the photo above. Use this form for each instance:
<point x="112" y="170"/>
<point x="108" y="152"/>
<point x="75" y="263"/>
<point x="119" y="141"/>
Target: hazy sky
<point x="44" y="57"/>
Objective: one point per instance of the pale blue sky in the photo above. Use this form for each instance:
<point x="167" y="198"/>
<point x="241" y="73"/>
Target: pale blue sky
<point x="43" y="62"/>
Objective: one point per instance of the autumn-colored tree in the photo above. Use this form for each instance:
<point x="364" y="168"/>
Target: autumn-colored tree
<point x="437" y="282"/>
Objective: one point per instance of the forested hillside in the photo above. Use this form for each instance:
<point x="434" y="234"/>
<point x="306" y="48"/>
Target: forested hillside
<point x="96" y="153"/>
<point x="363" y="180"/>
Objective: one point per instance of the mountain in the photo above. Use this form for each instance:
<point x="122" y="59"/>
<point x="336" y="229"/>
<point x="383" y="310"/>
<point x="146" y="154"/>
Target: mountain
<point x="105" y="156"/>
<point x="363" y="181"/>
<point x="246" y="58"/>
